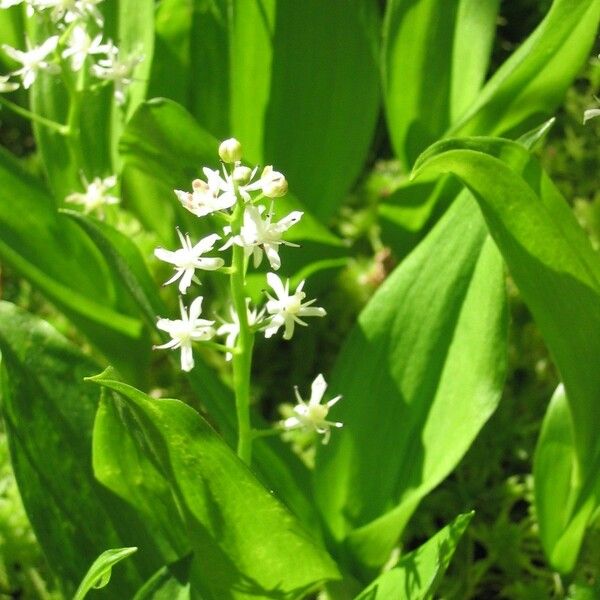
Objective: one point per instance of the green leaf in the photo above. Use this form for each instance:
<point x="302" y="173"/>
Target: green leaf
<point x="100" y="572"/>
<point x="435" y="57"/>
<point x="420" y="375"/>
<point x="558" y="275"/>
<point x="418" y="574"/>
<point x="532" y="82"/>
<point x="562" y="522"/>
<point x="171" y="582"/>
<point x="59" y="259"/>
<point x="49" y="412"/>
<point x="245" y="542"/>
<point x="323" y="147"/>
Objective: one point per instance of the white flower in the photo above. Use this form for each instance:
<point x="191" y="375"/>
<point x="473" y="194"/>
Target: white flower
<point x="33" y="60"/>
<point x="119" y="71"/>
<point x="70" y="10"/>
<point x="81" y="45"/>
<point x="186" y="330"/>
<point x="188" y="258"/>
<point x="95" y="195"/>
<point x="232" y="330"/>
<point x="206" y="197"/>
<point x="312" y="415"/>
<point x="590" y="114"/>
<point x="6" y="85"/>
<point x="257" y="235"/>
<point x="286" y="310"/>
<point x="9" y="3"/>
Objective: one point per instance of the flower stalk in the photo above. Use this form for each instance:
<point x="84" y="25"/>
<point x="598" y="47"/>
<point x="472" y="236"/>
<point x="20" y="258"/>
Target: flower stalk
<point x="242" y="357"/>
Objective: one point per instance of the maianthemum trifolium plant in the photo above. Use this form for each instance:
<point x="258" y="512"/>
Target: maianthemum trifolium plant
<point x="210" y="147"/>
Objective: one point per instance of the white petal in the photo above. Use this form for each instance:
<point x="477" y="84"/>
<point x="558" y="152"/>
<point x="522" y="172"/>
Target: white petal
<point x="273" y="255"/>
<point x="196" y="308"/>
<point x="277" y="285"/>
<point x="186" y="281"/>
<point x="317" y="389"/>
<point x="187" y="358"/>
<point x="160" y="253"/>
<point x="590" y="114"/>
<point x="312" y="311"/>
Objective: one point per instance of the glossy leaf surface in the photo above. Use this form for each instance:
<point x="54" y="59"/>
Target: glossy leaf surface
<point x="263" y="548"/>
<point x="420" y="374"/>
<point x="558" y="274"/>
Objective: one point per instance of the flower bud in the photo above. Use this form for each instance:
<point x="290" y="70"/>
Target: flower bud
<point x="274" y="184"/>
<point x="241" y="174"/>
<point x="230" y="151"/>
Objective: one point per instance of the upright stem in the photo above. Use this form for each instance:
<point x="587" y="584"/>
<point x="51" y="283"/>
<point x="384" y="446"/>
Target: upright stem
<point x="74" y="119"/>
<point x="242" y="357"/>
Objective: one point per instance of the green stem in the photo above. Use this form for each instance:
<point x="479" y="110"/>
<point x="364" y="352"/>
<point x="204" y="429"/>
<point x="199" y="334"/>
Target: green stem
<point x="242" y="358"/>
<point x="74" y="120"/>
<point x="19" y="110"/>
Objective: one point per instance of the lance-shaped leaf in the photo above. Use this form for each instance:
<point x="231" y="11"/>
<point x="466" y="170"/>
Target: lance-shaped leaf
<point x="532" y="82"/>
<point x="558" y="274"/>
<point x="435" y="57"/>
<point x="246" y="543"/>
<point x="562" y="511"/>
<point x="419" y="573"/>
<point x="420" y="374"/>
<point x="295" y="71"/>
<point x="59" y="259"/>
<point x="49" y="412"/>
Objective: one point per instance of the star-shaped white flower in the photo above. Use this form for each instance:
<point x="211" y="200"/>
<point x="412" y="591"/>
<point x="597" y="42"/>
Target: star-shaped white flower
<point x="118" y="70"/>
<point x="6" y="85"/>
<point x="81" y="45"/>
<point x="232" y="330"/>
<point x="287" y="309"/>
<point x="96" y="194"/>
<point x="258" y="234"/>
<point x="190" y="328"/>
<point x="70" y="10"/>
<point x="188" y="258"/>
<point x="206" y="196"/>
<point x="33" y="60"/>
<point x="312" y="415"/>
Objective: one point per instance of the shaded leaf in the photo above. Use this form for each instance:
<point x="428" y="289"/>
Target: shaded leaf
<point x="48" y="412"/>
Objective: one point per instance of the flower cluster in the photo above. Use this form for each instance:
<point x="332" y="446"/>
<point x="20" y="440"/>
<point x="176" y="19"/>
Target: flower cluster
<point x="244" y="200"/>
<point x="78" y="39"/>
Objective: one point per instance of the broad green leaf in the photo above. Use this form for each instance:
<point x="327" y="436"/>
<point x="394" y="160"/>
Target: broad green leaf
<point x="558" y="274"/>
<point x="435" y="56"/>
<point x="49" y="412"/>
<point x="418" y="574"/>
<point x="420" y="374"/>
<point x="246" y="544"/>
<point x="209" y="62"/>
<point x="100" y="572"/>
<point x="295" y="71"/>
<point x="54" y="255"/>
<point x="170" y="74"/>
<point x="532" y="82"/>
